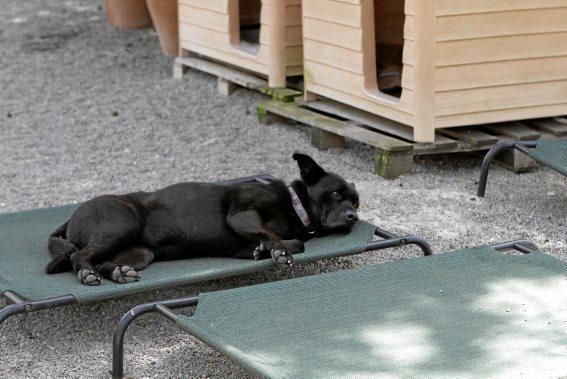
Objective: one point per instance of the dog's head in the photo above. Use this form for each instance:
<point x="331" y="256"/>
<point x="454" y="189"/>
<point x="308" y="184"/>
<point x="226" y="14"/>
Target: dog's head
<point x="332" y="200"/>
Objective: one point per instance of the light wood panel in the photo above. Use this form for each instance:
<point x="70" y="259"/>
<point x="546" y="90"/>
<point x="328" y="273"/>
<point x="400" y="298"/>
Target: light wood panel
<point x="465" y="61"/>
<point x="450" y="78"/>
<point x="206" y="28"/>
<point x="335" y="12"/>
<point x="392" y="111"/>
<point x="333" y="34"/>
<point x="223" y="56"/>
<point x="521" y="113"/>
<point x="452" y="7"/>
<point x="203" y="17"/>
<point x="504" y="97"/>
<point x="501" y="49"/>
<point x="513" y="23"/>
<point x="219" y="6"/>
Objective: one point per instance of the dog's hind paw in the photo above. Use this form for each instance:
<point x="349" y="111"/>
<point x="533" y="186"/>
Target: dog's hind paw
<point x="125" y="274"/>
<point x="282" y="258"/>
<point x="89" y="277"/>
<point x="260" y="252"/>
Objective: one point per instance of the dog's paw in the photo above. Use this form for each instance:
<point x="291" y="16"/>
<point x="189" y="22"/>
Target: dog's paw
<point x="259" y="252"/>
<point x="125" y="274"/>
<point x="282" y="258"/>
<point x="89" y="277"/>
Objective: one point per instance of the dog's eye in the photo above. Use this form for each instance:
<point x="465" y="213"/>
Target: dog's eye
<point x="356" y="205"/>
<point x="336" y="195"/>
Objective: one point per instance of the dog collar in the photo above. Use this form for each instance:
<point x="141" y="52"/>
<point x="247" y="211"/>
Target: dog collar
<point x="300" y="210"/>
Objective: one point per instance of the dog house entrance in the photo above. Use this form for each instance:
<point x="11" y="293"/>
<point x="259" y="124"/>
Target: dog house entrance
<point x="249" y="26"/>
<point x="389" y="20"/>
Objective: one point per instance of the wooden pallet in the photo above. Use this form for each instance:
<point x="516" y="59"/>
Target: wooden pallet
<point x="230" y="78"/>
<point x="332" y="122"/>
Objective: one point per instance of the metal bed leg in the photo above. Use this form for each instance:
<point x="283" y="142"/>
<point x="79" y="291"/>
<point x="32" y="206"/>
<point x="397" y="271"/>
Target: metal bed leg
<point x="492" y="153"/>
<point x="20" y="306"/>
<point x="162" y="307"/>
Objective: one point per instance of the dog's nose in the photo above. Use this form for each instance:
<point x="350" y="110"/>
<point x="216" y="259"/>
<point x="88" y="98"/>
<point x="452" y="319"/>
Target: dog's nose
<point x="351" y="216"/>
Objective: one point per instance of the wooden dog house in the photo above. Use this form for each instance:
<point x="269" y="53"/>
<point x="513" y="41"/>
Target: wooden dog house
<point x="262" y="36"/>
<point x="464" y="62"/>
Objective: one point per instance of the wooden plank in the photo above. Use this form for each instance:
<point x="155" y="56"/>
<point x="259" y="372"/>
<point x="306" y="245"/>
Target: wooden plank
<point x="396" y="111"/>
<point x="479" y="75"/>
<point x="334" y="12"/>
<point x="501" y="48"/>
<point x="549" y="125"/>
<point x="334" y="126"/>
<point x="294" y="56"/>
<point x="375" y="122"/>
<point x="204" y="18"/>
<point x="235" y="76"/>
<point x="469" y="135"/>
<point x="334" y="34"/>
<point x="293" y="15"/>
<point x="424" y="105"/>
<point x="322" y="73"/>
<point x="323" y="140"/>
<point x="335" y="56"/>
<point x="293" y="35"/>
<point x="501" y="115"/>
<point x="235" y="58"/>
<point x="482" y="25"/>
<point x="452" y="7"/>
<point x="514" y="130"/>
<point x="351" y="83"/>
<point x="220" y="6"/>
<point x="503" y="97"/>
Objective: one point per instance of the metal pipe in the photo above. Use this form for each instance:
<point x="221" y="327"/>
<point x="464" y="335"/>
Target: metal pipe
<point x="400" y="241"/>
<point x="523" y="246"/>
<point x="413" y="240"/>
<point x="488" y="158"/>
<point x="493" y="152"/>
<point x="128" y="318"/>
<point x="13" y="297"/>
<point x="34" y="306"/>
<point x="166" y="312"/>
<point x="384" y="233"/>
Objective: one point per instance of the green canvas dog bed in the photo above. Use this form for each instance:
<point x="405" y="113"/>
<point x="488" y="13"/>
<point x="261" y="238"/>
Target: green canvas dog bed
<point x="470" y="313"/>
<point x="23" y="257"/>
<point x="552" y="154"/>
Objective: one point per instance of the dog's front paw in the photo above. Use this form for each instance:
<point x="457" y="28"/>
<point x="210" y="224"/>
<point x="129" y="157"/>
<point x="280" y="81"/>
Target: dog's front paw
<point x="89" y="277"/>
<point x="282" y="258"/>
<point x="125" y="274"/>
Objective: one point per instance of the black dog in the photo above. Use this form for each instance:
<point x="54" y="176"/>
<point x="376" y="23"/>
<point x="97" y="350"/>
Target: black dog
<point x="114" y="236"/>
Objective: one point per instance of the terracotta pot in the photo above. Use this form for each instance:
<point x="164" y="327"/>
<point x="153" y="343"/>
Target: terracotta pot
<point x="165" y="17"/>
<point x="128" y="14"/>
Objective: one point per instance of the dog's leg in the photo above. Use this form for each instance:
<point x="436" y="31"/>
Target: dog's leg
<point x="249" y="225"/>
<point x="124" y="267"/>
<point x="100" y="249"/>
<point x="81" y="262"/>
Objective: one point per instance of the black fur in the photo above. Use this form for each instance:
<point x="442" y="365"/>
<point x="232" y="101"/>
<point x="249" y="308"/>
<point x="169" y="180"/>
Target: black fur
<point x="114" y="236"/>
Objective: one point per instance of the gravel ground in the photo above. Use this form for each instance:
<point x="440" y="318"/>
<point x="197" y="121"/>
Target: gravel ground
<point x="86" y="109"/>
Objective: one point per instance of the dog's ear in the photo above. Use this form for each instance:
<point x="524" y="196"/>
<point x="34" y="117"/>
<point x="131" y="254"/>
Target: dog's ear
<point x="310" y="171"/>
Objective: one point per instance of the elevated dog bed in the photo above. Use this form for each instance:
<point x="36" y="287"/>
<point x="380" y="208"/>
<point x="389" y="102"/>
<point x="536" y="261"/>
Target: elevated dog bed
<point x="552" y="154"/>
<point x="23" y="257"/>
<point x="473" y="313"/>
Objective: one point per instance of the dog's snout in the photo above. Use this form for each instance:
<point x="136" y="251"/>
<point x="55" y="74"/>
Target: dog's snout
<point x="351" y="216"/>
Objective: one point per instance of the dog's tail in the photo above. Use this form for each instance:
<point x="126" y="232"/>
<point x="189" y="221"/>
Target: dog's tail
<point x="60" y="249"/>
